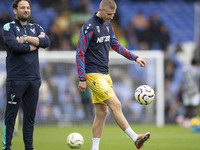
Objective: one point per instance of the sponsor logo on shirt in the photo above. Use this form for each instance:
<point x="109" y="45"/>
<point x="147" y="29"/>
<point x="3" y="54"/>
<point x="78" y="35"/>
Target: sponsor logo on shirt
<point x="103" y="39"/>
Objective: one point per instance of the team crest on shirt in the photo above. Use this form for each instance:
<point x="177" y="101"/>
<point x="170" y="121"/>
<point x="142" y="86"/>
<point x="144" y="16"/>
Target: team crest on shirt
<point x="17" y="28"/>
<point x="33" y="30"/>
<point x="98" y="29"/>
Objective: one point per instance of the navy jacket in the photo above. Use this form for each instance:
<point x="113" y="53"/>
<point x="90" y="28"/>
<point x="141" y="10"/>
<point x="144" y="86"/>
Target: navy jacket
<point x="21" y="63"/>
<point x="93" y="46"/>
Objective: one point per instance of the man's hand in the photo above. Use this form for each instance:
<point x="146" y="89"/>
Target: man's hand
<point x="41" y="35"/>
<point x="33" y="48"/>
<point x="82" y="86"/>
<point x="21" y="40"/>
<point x="141" y="61"/>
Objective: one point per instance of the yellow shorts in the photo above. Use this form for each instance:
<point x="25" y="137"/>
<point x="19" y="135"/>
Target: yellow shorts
<point x="101" y="87"/>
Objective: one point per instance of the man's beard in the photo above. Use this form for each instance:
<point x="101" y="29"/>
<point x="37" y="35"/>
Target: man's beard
<point x="21" y="18"/>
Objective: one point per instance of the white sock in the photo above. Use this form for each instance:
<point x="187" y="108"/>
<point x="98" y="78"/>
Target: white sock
<point x="131" y="134"/>
<point x="95" y="143"/>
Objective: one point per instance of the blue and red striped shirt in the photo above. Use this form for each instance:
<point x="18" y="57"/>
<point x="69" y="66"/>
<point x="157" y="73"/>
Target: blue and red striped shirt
<point x="93" y="46"/>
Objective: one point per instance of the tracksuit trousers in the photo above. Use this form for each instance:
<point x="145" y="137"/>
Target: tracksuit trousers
<point x="17" y="93"/>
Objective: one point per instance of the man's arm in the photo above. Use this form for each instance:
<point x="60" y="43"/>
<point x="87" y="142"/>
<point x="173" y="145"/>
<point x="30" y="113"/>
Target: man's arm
<point x="42" y="40"/>
<point x="82" y="45"/>
<point x="30" y="39"/>
<point x="116" y="46"/>
<point x="11" y="41"/>
<point x="34" y="41"/>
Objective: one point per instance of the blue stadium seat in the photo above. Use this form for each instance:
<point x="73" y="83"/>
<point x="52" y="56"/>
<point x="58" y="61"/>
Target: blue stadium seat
<point x="177" y="15"/>
<point x="44" y="17"/>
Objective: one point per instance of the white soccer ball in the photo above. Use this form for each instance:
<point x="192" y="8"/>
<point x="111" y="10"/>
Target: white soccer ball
<point x="75" y="140"/>
<point x="144" y="95"/>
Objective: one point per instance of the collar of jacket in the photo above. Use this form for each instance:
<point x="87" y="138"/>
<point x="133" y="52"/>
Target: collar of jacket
<point x="18" y="22"/>
<point x="100" y="20"/>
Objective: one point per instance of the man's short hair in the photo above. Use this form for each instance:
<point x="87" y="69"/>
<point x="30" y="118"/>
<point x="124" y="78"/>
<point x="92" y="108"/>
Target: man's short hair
<point x="15" y="3"/>
<point x="108" y="4"/>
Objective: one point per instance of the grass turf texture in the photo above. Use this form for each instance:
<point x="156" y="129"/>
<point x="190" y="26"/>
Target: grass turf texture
<point x="169" y="137"/>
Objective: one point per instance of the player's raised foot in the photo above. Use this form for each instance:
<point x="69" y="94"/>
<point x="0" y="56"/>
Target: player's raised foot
<point x="141" y="139"/>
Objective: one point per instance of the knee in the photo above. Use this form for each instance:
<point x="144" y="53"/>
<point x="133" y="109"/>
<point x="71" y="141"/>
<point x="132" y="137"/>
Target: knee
<point x="103" y="112"/>
<point x="116" y="106"/>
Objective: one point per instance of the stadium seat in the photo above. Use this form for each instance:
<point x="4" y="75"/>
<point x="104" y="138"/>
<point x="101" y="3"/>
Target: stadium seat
<point x="178" y="16"/>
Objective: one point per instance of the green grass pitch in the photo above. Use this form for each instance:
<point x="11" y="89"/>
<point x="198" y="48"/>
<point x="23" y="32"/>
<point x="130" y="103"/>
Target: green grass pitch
<point x="170" y="137"/>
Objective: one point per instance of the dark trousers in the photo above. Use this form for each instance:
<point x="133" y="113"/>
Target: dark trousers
<point x="27" y="93"/>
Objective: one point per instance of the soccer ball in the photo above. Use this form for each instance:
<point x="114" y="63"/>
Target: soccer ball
<point x="144" y="95"/>
<point x="75" y="140"/>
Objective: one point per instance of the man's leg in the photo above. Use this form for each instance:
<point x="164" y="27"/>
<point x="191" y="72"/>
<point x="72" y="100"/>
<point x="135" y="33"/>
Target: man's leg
<point x="98" y="124"/>
<point x="14" y="90"/>
<point x="30" y="100"/>
<point x="115" y="106"/>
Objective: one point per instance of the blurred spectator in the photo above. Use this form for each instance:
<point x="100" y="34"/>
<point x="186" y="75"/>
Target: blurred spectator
<point x="170" y="99"/>
<point x="47" y="3"/>
<point x="59" y="5"/>
<point x="146" y="38"/>
<point x="2" y="45"/>
<point x="48" y="71"/>
<point x="133" y="31"/>
<point x="86" y="101"/>
<point x="5" y="18"/>
<point x="148" y="33"/>
<point x="155" y="26"/>
<point x="119" y="33"/>
<point x="44" y="92"/>
<point x="83" y="6"/>
<point x="169" y="69"/>
<point x="164" y="38"/>
<point x="186" y="80"/>
<point x="139" y="23"/>
<point x="80" y="6"/>
<point x="65" y="44"/>
<point x="64" y="33"/>
<point x="68" y="107"/>
<point x="54" y="38"/>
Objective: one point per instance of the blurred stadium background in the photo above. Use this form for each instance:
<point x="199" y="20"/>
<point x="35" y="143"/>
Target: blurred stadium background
<point x="143" y="25"/>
